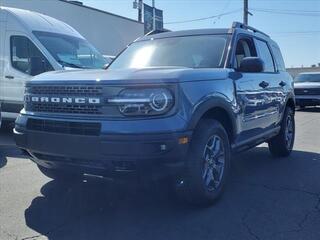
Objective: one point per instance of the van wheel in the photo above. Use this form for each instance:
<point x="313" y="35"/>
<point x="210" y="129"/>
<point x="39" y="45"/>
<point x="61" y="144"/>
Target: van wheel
<point x="60" y="175"/>
<point x="282" y="144"/>
<point x="208" y="164"/>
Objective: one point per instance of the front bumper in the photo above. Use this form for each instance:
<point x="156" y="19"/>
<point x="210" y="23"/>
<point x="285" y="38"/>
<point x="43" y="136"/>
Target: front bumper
<point x="307" y="100"/>
<point x="106" y="154"/>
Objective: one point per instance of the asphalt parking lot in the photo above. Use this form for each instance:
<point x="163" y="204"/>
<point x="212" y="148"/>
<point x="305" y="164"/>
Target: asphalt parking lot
<point x="266" y="198"/>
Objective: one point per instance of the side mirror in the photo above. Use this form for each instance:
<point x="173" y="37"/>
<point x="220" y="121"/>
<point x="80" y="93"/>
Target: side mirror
<point x="251" y="65"/>
<point x="37" y="66"/>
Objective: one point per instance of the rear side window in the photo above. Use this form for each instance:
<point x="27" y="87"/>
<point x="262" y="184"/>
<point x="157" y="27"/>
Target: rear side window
<point x="26" y="57"/>
<point x="265" y="55"/>
<point x="278" y="58"/>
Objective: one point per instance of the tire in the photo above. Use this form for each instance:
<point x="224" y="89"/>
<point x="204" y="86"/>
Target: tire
<point x="282" y="144"/>
<point x="200" y="184"/>
<point x="59" y="175"/>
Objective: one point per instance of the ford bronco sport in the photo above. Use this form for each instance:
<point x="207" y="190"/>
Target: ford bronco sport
<point x="171" y="104"/>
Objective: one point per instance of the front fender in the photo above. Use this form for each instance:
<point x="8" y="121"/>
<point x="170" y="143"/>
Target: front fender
<point x="210" y="103"/>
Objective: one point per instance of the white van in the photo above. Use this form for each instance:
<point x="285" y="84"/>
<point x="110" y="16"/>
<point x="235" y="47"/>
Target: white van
<point x="32" y="43"/>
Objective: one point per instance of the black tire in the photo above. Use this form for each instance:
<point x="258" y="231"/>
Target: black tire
<point x="59" y="175"/>
<point x="194" y="188"/>
<point x="280" y="145"/>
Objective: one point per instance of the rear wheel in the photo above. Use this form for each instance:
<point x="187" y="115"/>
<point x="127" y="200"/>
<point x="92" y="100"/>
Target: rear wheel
<point x="59" y="175"/>
<point x="208" y="164"/>
<point x="282" y="144"/>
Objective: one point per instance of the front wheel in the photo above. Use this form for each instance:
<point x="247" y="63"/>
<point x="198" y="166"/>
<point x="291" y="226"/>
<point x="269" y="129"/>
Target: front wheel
<point x="282" y="144"/>
<point x="207" y="165"/>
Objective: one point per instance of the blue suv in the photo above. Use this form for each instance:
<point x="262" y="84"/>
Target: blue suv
<point x="173" y="104"/>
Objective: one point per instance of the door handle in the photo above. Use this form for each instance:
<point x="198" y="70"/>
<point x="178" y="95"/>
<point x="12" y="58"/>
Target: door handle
<point x="9" y="77"/>
<point x="263" y="84"/>
<point x="282" y="83"/>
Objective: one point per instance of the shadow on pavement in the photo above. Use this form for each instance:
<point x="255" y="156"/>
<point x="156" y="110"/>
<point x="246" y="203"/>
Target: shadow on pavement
<point x="7" y="145"/>
<point x="11" y="152"/>
<point x="104" y="211"/>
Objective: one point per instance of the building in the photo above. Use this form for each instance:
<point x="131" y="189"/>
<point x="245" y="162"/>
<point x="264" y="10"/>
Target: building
<point x="108" y="32"/>
<point x="295" y="71"/>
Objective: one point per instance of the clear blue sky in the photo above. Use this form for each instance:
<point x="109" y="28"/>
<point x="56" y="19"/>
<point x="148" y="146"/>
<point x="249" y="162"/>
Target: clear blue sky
<point x="297" y="34"/>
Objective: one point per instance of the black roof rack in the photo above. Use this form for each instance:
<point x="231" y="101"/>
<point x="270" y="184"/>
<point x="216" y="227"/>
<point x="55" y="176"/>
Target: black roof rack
<point x="246" y="27"/>
<point x="157" y="31"/>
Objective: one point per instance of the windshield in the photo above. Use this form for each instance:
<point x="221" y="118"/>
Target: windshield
<point x="71" y="51"/>
<point x="307" y="78"/>
<point x="202" y="51"/>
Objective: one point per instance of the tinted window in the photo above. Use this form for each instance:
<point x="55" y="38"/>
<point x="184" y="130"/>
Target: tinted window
<point x="278" y="58"/>
<point x="265" y="55"/>
<point x="26" y="57"/>
<point x="204" y="51"/>
<point x="313" y="77"/>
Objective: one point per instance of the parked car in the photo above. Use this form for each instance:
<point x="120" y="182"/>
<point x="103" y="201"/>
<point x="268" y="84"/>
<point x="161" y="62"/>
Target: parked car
<point x="174" y="104"/>
<point x="33" y="43"/>
<point x="307" y="89"/>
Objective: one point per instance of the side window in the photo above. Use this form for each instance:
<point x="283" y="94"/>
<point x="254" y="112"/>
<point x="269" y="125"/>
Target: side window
<point x="245" y="48"/>
<point x="26" y="57"/>
<point x="278" y="58"/>
<point x="265" y="55"/>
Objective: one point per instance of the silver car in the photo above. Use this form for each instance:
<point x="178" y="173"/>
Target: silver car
<point x="307" y="89"/>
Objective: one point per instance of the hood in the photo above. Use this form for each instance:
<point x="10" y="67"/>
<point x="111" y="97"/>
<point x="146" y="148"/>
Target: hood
<point x="146" y="75"/>
<point x="298" y="85"/>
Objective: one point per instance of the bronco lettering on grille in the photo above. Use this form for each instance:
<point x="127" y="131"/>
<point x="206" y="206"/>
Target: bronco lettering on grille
<point x="78" y="100"/>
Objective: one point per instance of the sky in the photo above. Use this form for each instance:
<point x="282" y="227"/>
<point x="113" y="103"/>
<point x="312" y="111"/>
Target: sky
<point x="293" y="24"/>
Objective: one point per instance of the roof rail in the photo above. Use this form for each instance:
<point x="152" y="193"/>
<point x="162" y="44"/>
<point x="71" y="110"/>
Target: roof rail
<point x="157" y="31"/>
<point x="246" y="27"/>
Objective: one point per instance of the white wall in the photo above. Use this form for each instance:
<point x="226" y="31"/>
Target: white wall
<point x="108" y="33"/>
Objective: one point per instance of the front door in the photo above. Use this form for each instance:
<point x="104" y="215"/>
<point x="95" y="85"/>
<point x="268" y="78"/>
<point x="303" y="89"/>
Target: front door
<point x="252" y="94"/>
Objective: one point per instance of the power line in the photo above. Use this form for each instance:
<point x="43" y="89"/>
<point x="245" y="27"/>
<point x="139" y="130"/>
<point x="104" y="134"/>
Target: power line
<point x="204" y="18"/>
<point x="296" y="13"/>
<point x="287" y="10"/>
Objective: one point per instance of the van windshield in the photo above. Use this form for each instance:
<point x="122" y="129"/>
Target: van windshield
<point x="71" y="51"/>
<point x="199" y="51"/>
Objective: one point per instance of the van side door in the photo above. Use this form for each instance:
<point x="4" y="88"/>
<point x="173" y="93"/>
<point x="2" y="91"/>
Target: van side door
<point x="3" y="25"/>
<point x="22" y="61"/>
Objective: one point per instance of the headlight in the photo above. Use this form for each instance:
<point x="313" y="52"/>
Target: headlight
<point x="144" y="102"/>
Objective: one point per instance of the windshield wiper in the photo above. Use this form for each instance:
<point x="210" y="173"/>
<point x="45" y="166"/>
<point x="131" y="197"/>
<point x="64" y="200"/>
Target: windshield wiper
<point x="68" y="64"/>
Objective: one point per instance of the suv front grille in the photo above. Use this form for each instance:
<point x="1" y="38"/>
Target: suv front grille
<point x="77" y="128"/>
<point x="65" y="108"/>
<point x="71" y="92"/>
<point x="81" y="90"/>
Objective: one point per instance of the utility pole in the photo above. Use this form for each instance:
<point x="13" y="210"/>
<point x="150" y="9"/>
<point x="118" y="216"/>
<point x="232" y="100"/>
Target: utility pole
<point x="154" y="15"/>
<point x="245" y="12"/>
<point x="140" y="10"/>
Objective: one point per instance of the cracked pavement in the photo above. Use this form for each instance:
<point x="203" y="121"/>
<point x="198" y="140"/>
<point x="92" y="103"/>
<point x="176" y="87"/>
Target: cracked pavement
<point x="266" y="198"/>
